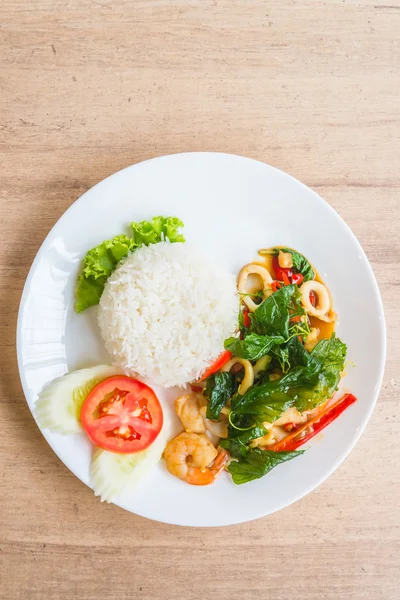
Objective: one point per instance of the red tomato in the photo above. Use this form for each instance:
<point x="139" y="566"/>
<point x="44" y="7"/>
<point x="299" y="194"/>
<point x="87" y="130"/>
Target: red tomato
<point x="122" y="415"/>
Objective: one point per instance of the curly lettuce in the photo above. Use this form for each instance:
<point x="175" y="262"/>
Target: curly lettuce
<point x="100" y="261"/>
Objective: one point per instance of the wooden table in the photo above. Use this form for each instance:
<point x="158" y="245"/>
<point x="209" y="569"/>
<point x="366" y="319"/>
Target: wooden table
<point x="91" y="86"/>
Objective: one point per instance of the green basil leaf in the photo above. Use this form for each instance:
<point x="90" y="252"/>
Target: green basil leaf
<point x="253" y="347"/>
<point x="256" y="463"/>
<point x="220" y="388"/>
<point x="272" y="317"/>
<point x="237" y="440"/>
<point x="304" y="386"/>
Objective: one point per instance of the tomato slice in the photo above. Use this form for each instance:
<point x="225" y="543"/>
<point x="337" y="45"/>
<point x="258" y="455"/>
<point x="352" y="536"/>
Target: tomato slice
<point x="122" y="415"/>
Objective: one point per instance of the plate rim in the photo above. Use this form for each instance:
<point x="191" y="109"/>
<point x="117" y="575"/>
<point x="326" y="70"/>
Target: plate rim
<point x="382" y="334"/>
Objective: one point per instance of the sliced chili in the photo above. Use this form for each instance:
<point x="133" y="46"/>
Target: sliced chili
<point x="317" y="424"/>
<point x="275" y="286"/>
<point x="296" y="319"/>
<point x="217" y="365"/>
<point x="279" y="271"/>
<point x="297" y="278"/>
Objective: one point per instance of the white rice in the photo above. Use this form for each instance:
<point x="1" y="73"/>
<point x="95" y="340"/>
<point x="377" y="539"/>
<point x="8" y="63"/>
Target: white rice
<point x="165" y="313"/>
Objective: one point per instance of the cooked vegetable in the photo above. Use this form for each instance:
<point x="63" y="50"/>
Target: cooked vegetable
<point x="113" y="473"/>
<point x="220" y="388"/>
<point x="257" y="463"/>
<point x="278" y="270"/>
<point x="254" y="346"/>
<point x="217" y="365"/>
<point x="304" y="386"/>
<point x="58" y="407"/>
<point x="315" y="425"/>
<point x="101" y="260"/>
<point x="289" y="355"/>
<point x="273" y="316"/>
<point x="246" y="319"/>
<point x="122" y="415"/>
<point x="297" y="278"/>
<point x="237" y="441"/>
<point x="300" y="263"/>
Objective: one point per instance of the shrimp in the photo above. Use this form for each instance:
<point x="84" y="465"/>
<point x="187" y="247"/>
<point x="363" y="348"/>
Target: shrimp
<point x="188" y="410"/>
<point x="193" y="458"/>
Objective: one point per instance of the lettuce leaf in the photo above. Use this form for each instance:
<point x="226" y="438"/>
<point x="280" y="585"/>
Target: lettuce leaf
<point x="159" y="229"/>
<point x="99" y="263"/>
<point x="101" y="260"/>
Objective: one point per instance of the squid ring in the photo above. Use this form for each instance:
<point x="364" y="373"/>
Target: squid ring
<point x="248" y="378"/>
<point x="253" y="269"/>
<point x="323" y="309"/>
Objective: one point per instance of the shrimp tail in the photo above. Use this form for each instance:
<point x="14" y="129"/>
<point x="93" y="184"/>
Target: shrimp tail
<point x="209" y="475"/>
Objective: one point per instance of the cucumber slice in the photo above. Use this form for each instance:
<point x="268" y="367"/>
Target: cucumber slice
<point x="59" y="405"/>
<point x="113" y="473"/>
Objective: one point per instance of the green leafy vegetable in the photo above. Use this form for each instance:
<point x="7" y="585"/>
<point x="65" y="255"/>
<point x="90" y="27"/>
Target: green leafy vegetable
<point x="237" y="441"/>
<point x="257" y="463"/>
<point x="99" y="263"/>
<point x="300" y="263"/>
<point x="290" y="355"/>
<point x="160" y="228"/>
<point x="265" y="402"/>
<point x="101" y="260"/>
<point x="220" y="388"/>
<point x="304" y="386"/>
<point x="273" y="315"/>
<point x="243" y="330"/>
<point x="328" y="359"/>
<point x="253" y="347"/>
<point x="88" y="291"/>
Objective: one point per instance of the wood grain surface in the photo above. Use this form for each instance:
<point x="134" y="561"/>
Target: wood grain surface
<point x="91" y="86"/>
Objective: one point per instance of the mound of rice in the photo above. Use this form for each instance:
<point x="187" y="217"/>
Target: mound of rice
<point x="165" y="313"/>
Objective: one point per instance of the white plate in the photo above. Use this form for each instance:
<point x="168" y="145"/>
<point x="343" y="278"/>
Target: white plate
<point x="231" y="206"/>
